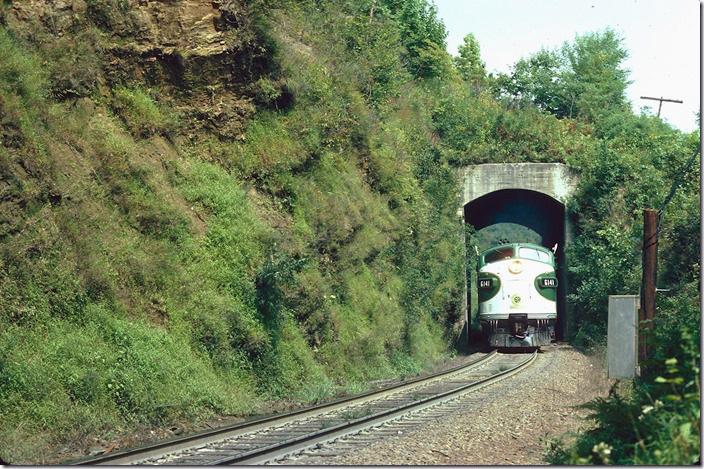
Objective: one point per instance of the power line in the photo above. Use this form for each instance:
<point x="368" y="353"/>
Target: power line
<point x="678" y="180"/>
<point x="653" y="239"/>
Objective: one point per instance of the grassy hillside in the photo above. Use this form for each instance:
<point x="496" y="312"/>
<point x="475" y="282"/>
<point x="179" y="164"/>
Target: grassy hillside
<point x="181" y="238"/>
<point x="206" y="207"/>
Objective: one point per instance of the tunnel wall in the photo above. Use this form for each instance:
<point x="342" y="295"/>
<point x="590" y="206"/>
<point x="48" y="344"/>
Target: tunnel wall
<point x="556" y="180"/>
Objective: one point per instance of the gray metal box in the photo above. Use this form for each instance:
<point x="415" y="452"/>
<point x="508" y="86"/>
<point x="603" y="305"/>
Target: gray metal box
<point x="622" y="338"/>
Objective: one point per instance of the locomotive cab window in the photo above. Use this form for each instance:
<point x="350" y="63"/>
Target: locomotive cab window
<point x="498" y="255"/>
<point x="534" y="254"/>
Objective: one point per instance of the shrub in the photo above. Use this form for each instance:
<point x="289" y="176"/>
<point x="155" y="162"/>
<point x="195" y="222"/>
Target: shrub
<point x="657" y="423"/>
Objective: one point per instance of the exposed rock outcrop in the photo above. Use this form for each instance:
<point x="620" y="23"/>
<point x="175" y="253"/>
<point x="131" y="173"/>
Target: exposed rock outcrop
<point x="202" y="55"/>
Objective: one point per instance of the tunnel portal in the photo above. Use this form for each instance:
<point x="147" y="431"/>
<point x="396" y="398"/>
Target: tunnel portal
<point x="531" y="195"/>
<point x="539" y="212"/>
<point x="545" y="224"/>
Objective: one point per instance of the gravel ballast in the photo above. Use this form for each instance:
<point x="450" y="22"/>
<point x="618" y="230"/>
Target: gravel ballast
<point x="506" y="423"/>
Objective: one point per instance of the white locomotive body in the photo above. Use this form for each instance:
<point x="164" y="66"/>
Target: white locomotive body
<point x="517" y="295"/>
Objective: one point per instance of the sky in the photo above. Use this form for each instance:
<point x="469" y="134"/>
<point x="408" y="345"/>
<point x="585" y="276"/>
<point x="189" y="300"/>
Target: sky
<point x="662" y="38"/>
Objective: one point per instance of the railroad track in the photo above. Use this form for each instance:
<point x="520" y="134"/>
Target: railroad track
<point x="266" y="439"/>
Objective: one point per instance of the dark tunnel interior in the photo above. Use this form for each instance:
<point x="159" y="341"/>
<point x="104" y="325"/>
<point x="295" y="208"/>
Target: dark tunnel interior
<point x="541" y="214"/>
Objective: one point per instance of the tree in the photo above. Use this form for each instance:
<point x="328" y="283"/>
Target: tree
<point x="594" y="78"/>
<point x="537" y="80"/>
<point x="468" y="62"/>
<point x="422" y="34"/>
<point x="582" y="79"/>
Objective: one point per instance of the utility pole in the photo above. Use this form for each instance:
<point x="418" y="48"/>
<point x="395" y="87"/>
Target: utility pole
<point x="661" y="99"/>
<point x="647" y="293"/>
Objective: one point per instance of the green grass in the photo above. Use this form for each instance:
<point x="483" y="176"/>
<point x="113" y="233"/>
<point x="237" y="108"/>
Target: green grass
<point x="140" y="113"/>
<point x="65" y="380"/>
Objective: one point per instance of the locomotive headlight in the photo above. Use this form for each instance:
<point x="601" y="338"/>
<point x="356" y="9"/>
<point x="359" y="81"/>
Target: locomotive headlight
<point x="515" y="267"/>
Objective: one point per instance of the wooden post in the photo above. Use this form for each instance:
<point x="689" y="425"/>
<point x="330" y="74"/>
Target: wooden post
<point x="650" y="250"/>
<point x="661" y="99"/>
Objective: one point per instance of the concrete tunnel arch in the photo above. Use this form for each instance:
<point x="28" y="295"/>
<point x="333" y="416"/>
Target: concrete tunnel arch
<point x="528" y="194"/>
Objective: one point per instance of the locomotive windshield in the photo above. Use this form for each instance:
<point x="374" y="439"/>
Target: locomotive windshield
<point x="499" y="254"/>
<point x="534" y="254"/>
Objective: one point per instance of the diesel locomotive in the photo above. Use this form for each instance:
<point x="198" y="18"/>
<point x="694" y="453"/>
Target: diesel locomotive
<point x="517" y="287"/>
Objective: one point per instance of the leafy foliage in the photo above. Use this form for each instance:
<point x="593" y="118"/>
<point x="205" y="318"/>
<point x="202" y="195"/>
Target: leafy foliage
<point x="584" y="79"/>
<point x="422" y="34"/>
<point x="659" y="423"/>
<point x="468" y="62"/>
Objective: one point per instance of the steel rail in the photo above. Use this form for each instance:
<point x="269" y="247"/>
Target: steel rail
<point x="273" y="451"/>
<point x="150" y="450"/>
